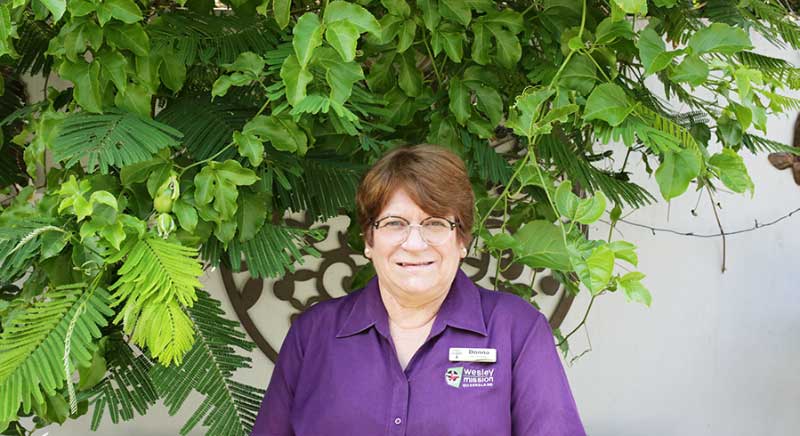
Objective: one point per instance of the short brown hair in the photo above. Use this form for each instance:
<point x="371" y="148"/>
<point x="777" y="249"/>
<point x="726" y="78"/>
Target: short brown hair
<point x="433" y="176"/>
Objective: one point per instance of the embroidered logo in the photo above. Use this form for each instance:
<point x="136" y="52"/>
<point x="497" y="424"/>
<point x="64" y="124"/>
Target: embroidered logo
<point x="459" y="377"/>
<point x="453" y="376"/>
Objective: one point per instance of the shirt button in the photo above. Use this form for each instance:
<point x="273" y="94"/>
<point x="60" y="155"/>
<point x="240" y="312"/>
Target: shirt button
<point x="398" y="421"/>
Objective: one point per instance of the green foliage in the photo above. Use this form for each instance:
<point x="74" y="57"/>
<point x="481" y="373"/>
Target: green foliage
<point x="34" y="362"/>
<point x="156" y="280"/>
<point x="229" y="407"/>
<point x="187" y="134"/>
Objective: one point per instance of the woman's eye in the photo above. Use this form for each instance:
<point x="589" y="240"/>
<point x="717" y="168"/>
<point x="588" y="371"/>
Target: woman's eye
<point x="436" y="224"/>
<point x="394" y="223"/>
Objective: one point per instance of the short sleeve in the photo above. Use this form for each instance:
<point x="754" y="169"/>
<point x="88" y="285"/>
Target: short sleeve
<point x="541" y="400"/>
<point x="274" y="416"/>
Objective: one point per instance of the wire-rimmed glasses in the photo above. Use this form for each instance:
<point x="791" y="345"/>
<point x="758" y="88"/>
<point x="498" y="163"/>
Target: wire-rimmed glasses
<point x="434" y="230"/>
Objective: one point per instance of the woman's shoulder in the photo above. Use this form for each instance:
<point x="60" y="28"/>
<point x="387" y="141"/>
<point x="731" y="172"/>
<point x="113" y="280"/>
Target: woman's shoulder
<point x="509" y="306"/>
<point x="327" y="313"/>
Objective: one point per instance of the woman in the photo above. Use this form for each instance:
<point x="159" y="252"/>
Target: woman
<point x="421" y="350"/>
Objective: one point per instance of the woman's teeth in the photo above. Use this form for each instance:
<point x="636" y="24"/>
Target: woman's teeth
<point x="413" y="264"/>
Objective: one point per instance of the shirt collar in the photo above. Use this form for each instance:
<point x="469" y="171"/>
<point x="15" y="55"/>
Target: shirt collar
<point x="460" y="309"/>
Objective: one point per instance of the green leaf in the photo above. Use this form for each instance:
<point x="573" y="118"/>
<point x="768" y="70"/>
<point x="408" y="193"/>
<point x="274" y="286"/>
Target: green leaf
<point x="595" y="271"/>
<point x="124" y="10"/>
<point x="676" y="172"/>
<point x="624" y="250"/>
<point x="452" y="42"/>
<point x="32" y="345"/>
<point x="112" y="139"/>
<point x="86" y="77"/>
<point x="608" y="102"/>
<point x="638" y="7"/>
<point x="580" y="74"/>
<point x="459" y="100"/>
<point x="173" y="70"/>
<point x="282" y="10"/>
<point x="481" y="43"/>
<point x="542" y="246"/>
<point x="296" y="79"/>
<point x="248" y="63"/>
<point x="430" y="13"/>
<point x="719" y="38"/>
<point x="186" y="214"/>
<point x="358" y="16"/>
<point x="490" y="103"/>
<point x="280" y="130"/>
<point x="652" y="51"/>
<point x="509" y="50"/>
<point x="341" y="77"/>
<point x="528" y="106"/>
<point x="397" y="7"/>
<point x="56" y="7"/>
<point x="251" y="214"/>
<point x="218" y="182"/>
<point x="228" y="407"/>
<point x="732" y="170"/>
<point x="633" y="288"/>
<point x="307" y="37"/>
<point x="566" y="200"/>
<point x="156" y="278"/>
<point x="591" y="209"/>
<point x="410" y="78"/>
<point x="609" y="30"/>
<point x="114" y="67"/>
<point x="249" y="146"/>
<point x="135" y="99"/>
<point x="692" y="70"/>
<point x="343" y="37"/>
<point x="128" y="36"/>
<point x="456" y="10"/>
<point x="406" y="37"/>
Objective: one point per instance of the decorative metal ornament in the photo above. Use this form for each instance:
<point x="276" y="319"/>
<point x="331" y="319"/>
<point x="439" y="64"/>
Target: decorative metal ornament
<point x="786" y="160"/>
<point x="266" y="316"/>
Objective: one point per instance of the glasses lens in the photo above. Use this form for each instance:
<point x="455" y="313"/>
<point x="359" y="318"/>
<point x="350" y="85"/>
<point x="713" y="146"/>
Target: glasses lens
<point x="393" y="230"/>
<point x="435" y="231"/>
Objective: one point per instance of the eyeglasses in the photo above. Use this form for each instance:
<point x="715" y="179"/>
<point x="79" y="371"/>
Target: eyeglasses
<point x="395" y="229"/>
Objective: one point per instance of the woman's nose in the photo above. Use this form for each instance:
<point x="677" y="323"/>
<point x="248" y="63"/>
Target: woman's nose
<point x="414" y="241"/>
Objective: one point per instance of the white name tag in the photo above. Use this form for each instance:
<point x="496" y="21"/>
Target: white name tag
<point x="473" y="355"/>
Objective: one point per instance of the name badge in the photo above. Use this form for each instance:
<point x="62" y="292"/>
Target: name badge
<point x="473" y="355"/>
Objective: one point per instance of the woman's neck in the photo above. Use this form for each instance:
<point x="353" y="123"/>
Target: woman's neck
<point x="411" y="311"/>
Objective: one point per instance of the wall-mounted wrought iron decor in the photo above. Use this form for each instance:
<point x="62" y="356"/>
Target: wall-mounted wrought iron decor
<point x="246" y="295"/>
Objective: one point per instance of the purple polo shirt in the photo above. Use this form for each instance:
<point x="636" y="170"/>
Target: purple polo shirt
<point x="337" y="373"/>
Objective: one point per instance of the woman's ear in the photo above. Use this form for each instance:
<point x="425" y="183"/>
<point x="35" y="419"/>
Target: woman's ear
<point x="367" y="250"/>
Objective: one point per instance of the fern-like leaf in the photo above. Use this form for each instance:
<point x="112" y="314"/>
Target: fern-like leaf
<point x="229" y="407"/>
<point x="111" y="139"/>
<point x="326" y="186"/>
<point x="566" y="156"/>
<point x="32" y="345"/>
<point x="757" y="144"/>
<point x="156" y="279"/>
<point x="207" y="126"/>
<point x="273" y="250"/>
<point x="19" y="246"/>
<point x="126" y="388"/>
<point x="213" y="39"/>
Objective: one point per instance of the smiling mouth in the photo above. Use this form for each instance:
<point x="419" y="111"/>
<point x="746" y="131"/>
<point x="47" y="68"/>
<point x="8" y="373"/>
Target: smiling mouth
<point x="414" y="264"/>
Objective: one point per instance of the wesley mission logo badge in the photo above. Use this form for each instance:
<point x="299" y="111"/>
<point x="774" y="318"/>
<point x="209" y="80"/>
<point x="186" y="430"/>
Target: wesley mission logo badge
<point x="453" y="376"/>
<point x="471" y="378"/>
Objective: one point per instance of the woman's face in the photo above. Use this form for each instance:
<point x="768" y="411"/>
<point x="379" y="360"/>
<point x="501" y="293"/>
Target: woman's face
<point x="413" y="268"/>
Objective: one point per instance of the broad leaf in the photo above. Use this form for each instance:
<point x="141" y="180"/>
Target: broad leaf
<point x="355" y="14"/>
<point x="732" y="170"/>
<point x="307" y="37"/>
<point x="541" y="245"/>
<point x="608" y="102"/>
<point x="676" y="171"/>
<point x="719" y="38"/>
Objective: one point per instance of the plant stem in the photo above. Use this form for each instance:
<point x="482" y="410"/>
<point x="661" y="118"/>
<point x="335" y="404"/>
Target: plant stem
<point x="430" y="54"/>
<point x="583" y="321"/>
<point x="719" y="224"/>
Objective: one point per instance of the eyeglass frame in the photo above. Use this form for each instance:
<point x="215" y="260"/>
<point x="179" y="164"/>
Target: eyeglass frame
<point x="453" y="224"/>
